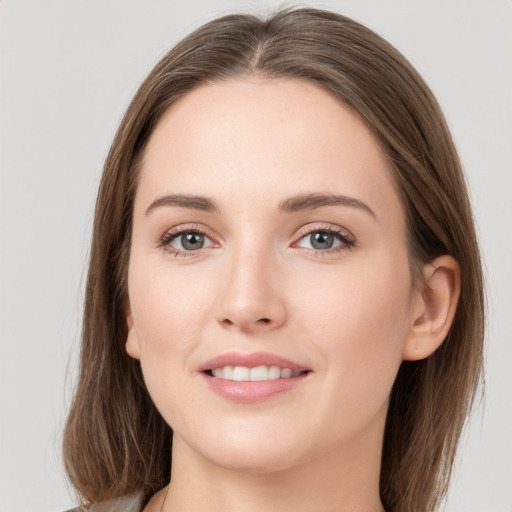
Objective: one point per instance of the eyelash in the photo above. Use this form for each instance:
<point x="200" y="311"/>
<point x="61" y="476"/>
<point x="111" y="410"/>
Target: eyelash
<point x="347" y="242"/>
<point x="171" y="235"/>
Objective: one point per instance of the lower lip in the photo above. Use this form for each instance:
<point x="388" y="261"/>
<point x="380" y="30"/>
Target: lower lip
<point x="248" y="391"/>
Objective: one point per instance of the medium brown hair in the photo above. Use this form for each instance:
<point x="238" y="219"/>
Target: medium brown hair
<point x="115" y="441"/>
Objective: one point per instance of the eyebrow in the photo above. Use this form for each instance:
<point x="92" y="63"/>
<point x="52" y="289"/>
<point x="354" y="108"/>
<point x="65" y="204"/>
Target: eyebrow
<point x="303" y="202"/>
<point x="184" y="201"/>
<point x="306" y="202"/>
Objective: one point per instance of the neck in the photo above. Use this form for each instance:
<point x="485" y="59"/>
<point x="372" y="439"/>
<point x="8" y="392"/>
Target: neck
<point x="332" y="481"/>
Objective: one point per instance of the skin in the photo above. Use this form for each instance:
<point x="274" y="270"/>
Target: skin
<point x="350" y="313"/>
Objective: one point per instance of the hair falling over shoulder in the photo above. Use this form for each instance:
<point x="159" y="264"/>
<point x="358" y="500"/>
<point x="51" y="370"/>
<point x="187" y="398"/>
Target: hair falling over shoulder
<point x="115" y="441"/>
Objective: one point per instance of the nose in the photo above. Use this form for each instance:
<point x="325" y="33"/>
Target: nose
<point x="252" y="299"/>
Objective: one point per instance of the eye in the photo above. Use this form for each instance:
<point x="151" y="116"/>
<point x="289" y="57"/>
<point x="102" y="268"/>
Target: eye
<point x="189" y="241"/>
<point x="184" y="241"/>
<point x="321" y="240"/>
<point x="325" y="240"/>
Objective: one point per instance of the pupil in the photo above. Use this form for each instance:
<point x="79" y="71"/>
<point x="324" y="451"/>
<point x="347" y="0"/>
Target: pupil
<point x="322" y="240"/>
<point x="192" y="241"/>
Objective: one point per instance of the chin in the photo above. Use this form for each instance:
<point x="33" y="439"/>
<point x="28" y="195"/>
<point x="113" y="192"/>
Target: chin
<point x="254" y="453"/>
<point x="252" y="462"/>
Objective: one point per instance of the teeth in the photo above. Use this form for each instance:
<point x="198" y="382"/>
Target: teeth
<point x="240" y="373"/>
<point x="286" y="373"/>
<point x="274" y="372"/>
<point x="258" y="373"/>
<point x="227" y="372"/>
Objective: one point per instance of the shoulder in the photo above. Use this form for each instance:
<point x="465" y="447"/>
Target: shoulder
<point x="124" y="504"/>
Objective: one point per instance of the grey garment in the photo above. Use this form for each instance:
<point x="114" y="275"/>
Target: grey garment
<point x="125" y="504"/>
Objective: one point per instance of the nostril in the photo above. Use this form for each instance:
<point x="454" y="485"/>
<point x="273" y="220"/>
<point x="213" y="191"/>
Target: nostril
<point x="247" y="325"/>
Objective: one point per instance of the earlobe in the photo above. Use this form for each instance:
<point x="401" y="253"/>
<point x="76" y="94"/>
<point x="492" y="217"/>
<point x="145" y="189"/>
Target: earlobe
<point x="132" y="340"/>
<point x="434" y="308"/>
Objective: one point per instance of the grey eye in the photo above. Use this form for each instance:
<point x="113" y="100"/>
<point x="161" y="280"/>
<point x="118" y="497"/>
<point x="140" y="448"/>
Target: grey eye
<point x="186" y="241"/>
<point x="321" y="240"/>
<point x="191" y="241"/>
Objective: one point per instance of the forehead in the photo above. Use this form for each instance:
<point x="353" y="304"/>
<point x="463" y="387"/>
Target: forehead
<point x="280" y="137"/>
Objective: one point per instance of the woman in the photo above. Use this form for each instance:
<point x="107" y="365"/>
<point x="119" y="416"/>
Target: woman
<point x="285" y="295"/>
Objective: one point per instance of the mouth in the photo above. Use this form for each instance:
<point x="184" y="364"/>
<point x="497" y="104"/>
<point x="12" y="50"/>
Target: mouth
<point x="253" y="374"/>
<point x="252" y="377"/>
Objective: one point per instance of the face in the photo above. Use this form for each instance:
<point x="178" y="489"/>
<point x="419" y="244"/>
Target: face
<point x="268" y="241"/>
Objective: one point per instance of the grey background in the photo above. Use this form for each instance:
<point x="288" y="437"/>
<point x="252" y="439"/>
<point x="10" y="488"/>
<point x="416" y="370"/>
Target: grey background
<point x="68" y="70"/>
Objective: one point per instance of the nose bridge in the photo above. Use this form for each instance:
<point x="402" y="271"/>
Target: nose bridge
<point x="251" y="298"/>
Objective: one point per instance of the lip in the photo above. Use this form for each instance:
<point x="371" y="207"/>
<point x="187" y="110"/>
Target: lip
<point x="249" y="391"/>
<point x="250" y="360"/>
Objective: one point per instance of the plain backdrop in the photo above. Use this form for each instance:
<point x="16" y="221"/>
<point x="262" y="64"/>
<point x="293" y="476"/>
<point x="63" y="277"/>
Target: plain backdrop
<point x="68" y="70"/>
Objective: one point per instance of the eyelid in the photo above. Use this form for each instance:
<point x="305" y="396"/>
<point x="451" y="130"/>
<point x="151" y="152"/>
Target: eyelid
<point x="174" y="232"/>
<point x="346" y="237"/>
<point x="330" y="228"/>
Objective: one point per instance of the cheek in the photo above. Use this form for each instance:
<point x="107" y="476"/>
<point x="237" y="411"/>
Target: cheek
<point x="358" y="320"/>
<point x="168" y="307"/>
<point x="169" y="311"/>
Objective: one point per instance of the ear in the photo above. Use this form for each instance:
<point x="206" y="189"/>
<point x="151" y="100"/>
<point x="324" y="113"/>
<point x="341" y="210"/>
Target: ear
<point x="132" y="341"/>
<point x="433" y="309"/>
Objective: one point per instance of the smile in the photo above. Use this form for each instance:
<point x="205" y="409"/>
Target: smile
<point x="258" y="373"/>
<point x="254" y="377"/>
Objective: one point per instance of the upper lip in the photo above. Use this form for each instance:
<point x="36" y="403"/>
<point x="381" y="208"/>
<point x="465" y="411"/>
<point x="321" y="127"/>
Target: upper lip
<point x="250" y="360"/>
